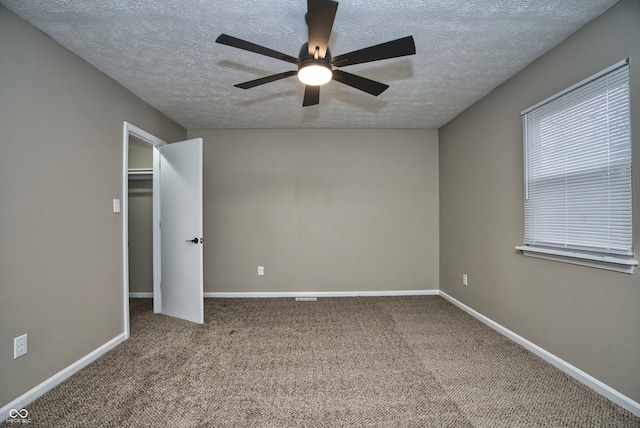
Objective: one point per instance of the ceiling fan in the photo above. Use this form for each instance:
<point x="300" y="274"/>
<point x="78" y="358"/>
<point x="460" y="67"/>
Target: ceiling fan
<point x="315" y="63"/>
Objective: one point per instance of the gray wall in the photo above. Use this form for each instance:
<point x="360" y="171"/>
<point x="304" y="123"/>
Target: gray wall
<point x="322" y="210"/>
<point x="61" y="267"/>
<point x="586" y="316"/>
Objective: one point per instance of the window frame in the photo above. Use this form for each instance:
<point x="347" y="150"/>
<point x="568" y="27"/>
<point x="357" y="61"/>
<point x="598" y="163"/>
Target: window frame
<point x="572" y="253"/>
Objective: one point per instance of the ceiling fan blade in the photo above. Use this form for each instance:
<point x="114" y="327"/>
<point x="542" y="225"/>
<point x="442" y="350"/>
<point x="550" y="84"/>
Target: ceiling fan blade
<point x="393" y="49"/>
<point x="320" y="16"/>
<point x="263" y="80"/>
<point x="252" y="47"/>
<point x="370" y="86"/>
<point x="311" y="96"/>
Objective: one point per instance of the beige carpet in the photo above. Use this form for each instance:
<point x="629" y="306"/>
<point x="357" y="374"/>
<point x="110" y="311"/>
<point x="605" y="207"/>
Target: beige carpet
<point x="337" y="362"/>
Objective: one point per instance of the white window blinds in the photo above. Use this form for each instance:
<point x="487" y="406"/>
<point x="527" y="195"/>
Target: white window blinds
<point x="577" y="147"/>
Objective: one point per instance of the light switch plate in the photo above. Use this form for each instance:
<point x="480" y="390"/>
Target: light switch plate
<point x="116" y="206"/>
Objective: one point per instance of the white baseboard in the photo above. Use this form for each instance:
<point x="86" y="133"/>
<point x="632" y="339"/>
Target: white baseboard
<point x="26" y="398"/>
<point x="278" y="294"/>
<point x="593" y="383"/>
<point x="141" y="295"/>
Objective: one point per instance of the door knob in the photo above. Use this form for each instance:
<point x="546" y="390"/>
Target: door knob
<point x="194" y="240"/>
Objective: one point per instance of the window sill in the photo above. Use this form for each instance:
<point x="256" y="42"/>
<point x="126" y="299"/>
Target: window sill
<point x="617" y="264"/>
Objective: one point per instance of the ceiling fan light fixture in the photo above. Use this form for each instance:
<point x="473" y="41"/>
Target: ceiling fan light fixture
<point x="315" y="74"/>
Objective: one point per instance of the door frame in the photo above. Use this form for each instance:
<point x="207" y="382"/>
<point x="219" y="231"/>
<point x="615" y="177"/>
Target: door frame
<point x="128" y="130"/>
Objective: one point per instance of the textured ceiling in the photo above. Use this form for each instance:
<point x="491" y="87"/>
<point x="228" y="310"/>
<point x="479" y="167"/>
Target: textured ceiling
<point x="164" y="52"/>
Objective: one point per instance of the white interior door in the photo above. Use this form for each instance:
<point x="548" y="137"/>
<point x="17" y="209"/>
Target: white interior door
<point x="181" y="238"/>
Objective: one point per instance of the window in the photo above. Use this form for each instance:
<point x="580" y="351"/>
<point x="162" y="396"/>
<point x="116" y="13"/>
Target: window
<point x="577" y="155"/>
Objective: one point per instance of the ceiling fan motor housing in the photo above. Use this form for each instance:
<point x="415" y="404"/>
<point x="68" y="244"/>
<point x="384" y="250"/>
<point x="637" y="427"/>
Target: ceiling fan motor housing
<point x="306" y="58"/>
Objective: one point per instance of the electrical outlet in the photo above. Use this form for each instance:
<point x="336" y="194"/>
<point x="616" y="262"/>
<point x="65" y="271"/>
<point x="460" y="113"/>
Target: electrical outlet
<point x="465" y="279"/>
<point x="260" y="270"/>
<point x="19" y="346"/>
